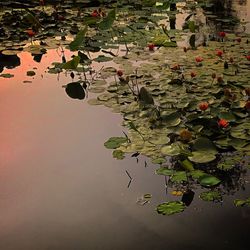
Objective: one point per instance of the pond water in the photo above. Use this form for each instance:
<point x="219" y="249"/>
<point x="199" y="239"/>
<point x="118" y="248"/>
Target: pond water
<point x="60" y="188"/>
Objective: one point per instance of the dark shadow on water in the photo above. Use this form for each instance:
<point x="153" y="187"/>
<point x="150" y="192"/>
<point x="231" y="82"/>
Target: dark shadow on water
<point x="9" y="61"/>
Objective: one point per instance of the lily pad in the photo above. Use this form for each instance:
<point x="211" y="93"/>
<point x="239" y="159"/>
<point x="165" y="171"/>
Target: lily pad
<point x="211" y="196"/>
<point x="115" y="142"/>
<point x="208" y="180"/>
<point x="171" y="207"/>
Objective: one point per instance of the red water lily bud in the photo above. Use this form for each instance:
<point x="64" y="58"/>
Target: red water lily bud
<point x="95" y="13"/>
<point x="247" y="105"/>
<point x="220" y="79"/>
<point x="60" y="18"/>
<point x="223" y="123"/>
<point x="248" y="58"/>
<point x="198" y="59"/>
<point x="119" y="73"/>
<point x="238" y="39"/>
<point x="219" y="53"/>
<point x="30" y="32"/>
<point x="176" y="67"/>
<point x="222" y="34"/>
<point x="151" y="46"/>
<point x="203" y="106"/>
<point x="193" y="74"/>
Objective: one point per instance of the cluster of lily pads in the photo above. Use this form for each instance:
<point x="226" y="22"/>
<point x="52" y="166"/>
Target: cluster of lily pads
<point x="185" y="108"/>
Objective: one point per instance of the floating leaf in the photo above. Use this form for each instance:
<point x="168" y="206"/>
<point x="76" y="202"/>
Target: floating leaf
<point x="115" y="142"/>
<point x="202" y="157"/>
<point x="241" y="203"/>
<point x="171" y="150"/>
<point x="7" y="75"/>
<point x="208" y="180"/>
<point x="145" y="96"/>
<point x="118" y="154"/>
<point x="31" y="73"/>
<point x="211" y="196"/>
<point x="179" y="176"/>
<point x="171" y="207"/>
<point x="164" y="171"/>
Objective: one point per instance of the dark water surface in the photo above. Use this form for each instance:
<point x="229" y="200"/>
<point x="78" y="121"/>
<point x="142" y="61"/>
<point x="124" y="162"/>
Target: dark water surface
<point x="61" y="189"/>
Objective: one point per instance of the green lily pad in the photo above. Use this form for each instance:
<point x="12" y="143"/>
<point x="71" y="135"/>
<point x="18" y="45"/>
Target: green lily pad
<point x="179" y="176"/>
<point x="118" y="154"/>
<point x="241" y="203"/>
<point x="115" y="142"/>
<point x="202" y="157"/>
<point x="164" y="171"/>
<point x="171" y="207"/>
<point x="171" y="150"/>
<point x="211" y="196"/>
<point x="7" y="75"/>
<point x="208" y="180"/>
<point x="31" y="73"/>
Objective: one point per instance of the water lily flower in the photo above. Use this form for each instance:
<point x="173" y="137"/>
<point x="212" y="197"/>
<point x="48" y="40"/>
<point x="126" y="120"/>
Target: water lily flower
<point x="95" y="13"/>
<point x="176" y="67"/>
<point x="223" y="123"/>
<point x="151" y="47"/>
<point x="219" y="53"/>
<point x="198" y="59"/>
<point x="119" y="73"/>
<point x="238" y="39"/>
<point x="222" y="34"/>
<point x="193" y="74"/>
<point x="220" y="79"/>
<point x="248" y="58"/>
<point x="30" y="32"/>
<point x="203" y="106"/>
<point x="185" y="135"/>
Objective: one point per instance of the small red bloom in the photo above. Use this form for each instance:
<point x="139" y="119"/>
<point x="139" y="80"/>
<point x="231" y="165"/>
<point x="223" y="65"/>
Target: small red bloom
<point x="203" y="106"/>
<point x="220" y="79"/>
<point x="30" y="32"/>
<point x="238" y="39"/>
<point x="223" y="123"/>
<point x="151" y="46"/>
<point x="193" y="74"/>
<point x="176" y="67"/>
<point x="60" y="18"/>
<point x="222" y="34"/>
<point x="248" y="58"/>
<point x="219" y="53"/>
<point x="119" y="73"/>
<point x="95" y="13"/>
<point x="198" y="59"/>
